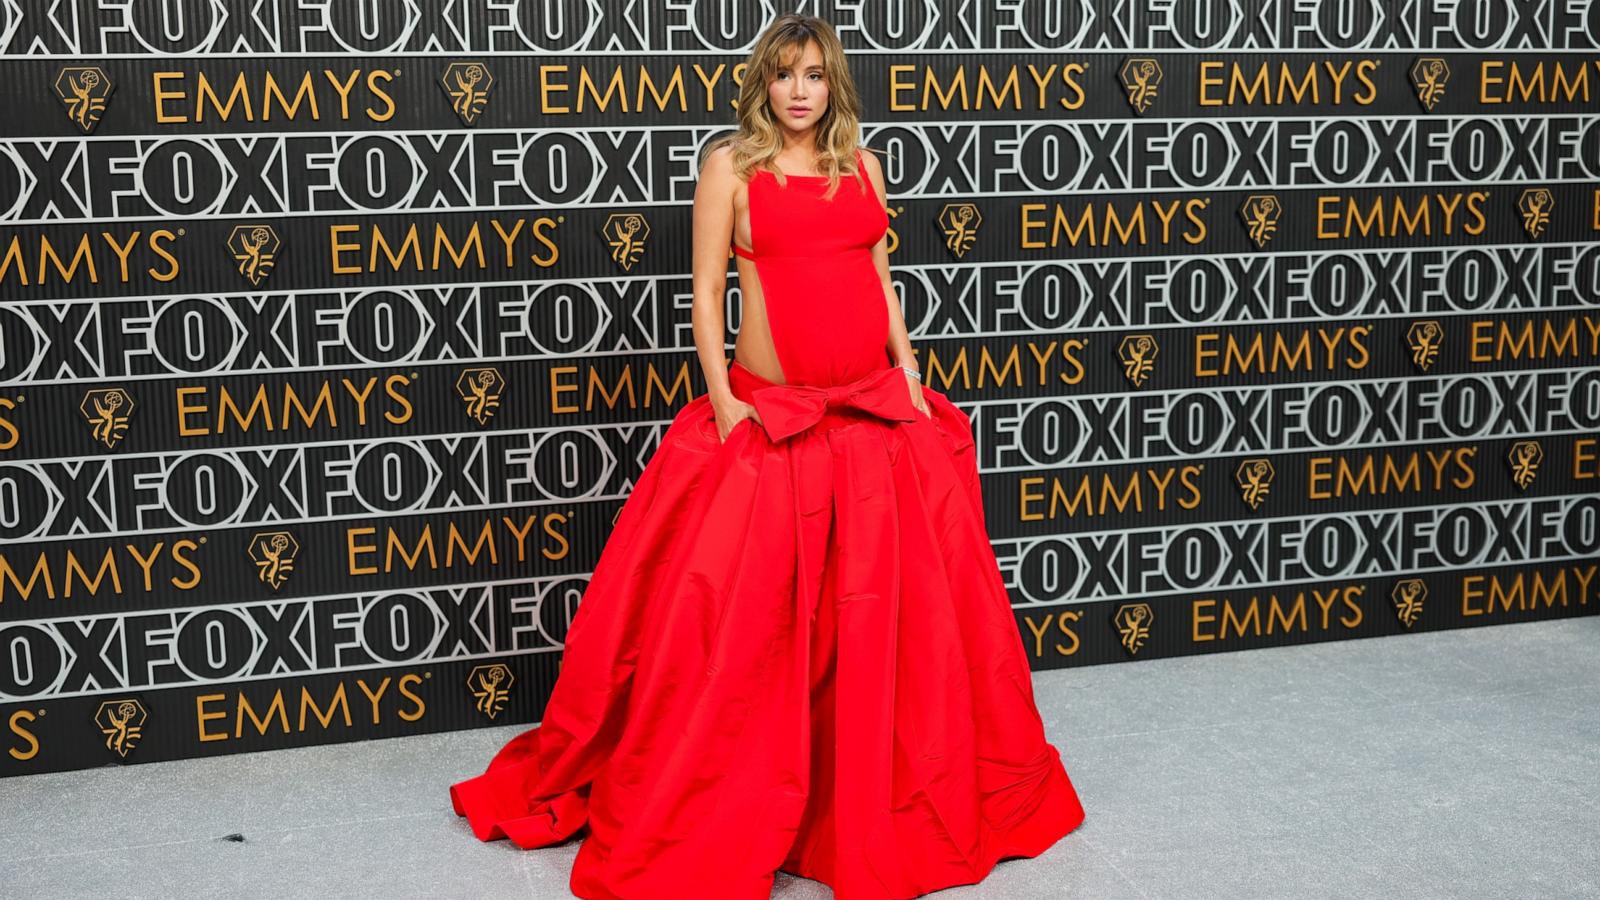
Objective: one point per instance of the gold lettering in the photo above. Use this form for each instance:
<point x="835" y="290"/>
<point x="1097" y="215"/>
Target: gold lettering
<point x="411" y="245"/>
<point x="521" y="534"/>
<point x="202" y="717"/>
<point x="587" y="86"/>
<point x="245" y="709"/>
<point x="41" y="571"/>
<point x="19" y="728"/>
<point x="352" y="549"/>
<point x="307" y="94"/>
<point x="373" y="78"/>
<point x="339" y="247"/>
<point x="410" y="680"/>
<point x="227" y="404"/>
<point x="47" y="254"/>
<point x="709" y="84"/>
<point x="239" y="94"/>
<point x="1586" y="459"/>
<point x="454" y="540"/>
<point x="473" y="244"/>
<point x="336" y="704"/>
<point x="342" y="88"/>
<point x="424" y="544"/>
<point x="373" y="698"/>
<point x="121" y="250"/>
<point x="547" y="88"/>
<point x="550" y="523"/>
<point x="662" y="98"/>
<point x="1063" y="623"/>
<point x="163" y="94"/>
<point x="108" y="566"/>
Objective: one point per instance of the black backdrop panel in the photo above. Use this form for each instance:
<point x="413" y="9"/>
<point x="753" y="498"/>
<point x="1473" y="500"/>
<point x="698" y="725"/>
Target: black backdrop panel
<point x="333" y="336"/>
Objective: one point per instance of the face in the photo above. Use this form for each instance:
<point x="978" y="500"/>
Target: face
<point x="798" y="91"/>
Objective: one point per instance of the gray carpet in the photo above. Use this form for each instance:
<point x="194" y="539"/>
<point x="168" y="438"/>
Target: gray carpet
<point x="1457" y="764"/>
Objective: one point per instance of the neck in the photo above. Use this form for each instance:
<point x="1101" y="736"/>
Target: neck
<point x="801" y="143"/>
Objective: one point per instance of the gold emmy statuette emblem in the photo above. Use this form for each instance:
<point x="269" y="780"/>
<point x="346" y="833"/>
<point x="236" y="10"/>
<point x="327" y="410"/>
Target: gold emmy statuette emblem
<point x="1428" y="77"/>
<point x="84" y="90"/>
<point x="108" y="411"/>
<point x="1138" y="355"/>
<point x="481" y="389"/>
<point x="468" y="85"/>
<point x="1140" y="78"/>
<point x="959" y="222"/>
<point x="1408" y="595"/>
<point x="1255" y="478"/>
<point x="1132" y="621"/>
<point x="274" y="554"/>
<point x="1535" y="205"/>
<point x="255" y="250"/>
<point x="1423" y="338"/>
<point x="491" y="686"/>
<point x="122" y="722"/>
<point x="1260" y="214"/>
<point x="625" y="234"/>
<point x="1525" y="457"/>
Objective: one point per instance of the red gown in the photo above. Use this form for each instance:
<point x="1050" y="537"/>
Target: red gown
<point x="796" y="650"/>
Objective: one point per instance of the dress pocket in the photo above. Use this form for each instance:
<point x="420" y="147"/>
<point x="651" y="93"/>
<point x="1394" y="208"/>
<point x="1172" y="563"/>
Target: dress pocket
<point x="953" y="425"/>
<point x="707" y="427"/>
<point x="704" y="430"/>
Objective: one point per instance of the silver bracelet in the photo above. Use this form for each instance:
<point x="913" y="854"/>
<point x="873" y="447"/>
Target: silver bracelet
<point x="912" y="372"/>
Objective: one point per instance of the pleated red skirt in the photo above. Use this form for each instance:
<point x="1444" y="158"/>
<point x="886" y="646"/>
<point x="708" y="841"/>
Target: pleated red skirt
<point x="793" y="654"/>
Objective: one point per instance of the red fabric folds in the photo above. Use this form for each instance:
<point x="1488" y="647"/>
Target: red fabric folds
<point x="796" y="652"/>
<point x="788" y="409"/>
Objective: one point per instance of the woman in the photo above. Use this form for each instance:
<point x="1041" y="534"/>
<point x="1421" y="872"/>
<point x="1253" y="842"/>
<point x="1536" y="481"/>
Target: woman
<point x="796" y="650"/>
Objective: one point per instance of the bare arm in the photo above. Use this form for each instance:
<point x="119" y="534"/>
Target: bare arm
<point x="713" y="234"/>
<point x="899" y="343"/>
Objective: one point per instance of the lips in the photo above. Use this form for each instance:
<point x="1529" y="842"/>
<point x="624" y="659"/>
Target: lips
<point x="799" y="110"/>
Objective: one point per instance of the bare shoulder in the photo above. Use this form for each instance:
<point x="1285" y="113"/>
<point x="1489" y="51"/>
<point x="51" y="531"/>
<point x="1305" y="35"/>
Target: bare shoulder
<point x="869" y="161"/>
<point x="718" y="171"/>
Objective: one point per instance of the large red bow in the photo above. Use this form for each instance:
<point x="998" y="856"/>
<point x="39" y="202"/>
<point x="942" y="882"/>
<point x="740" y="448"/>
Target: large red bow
<point x="788" y="409"/>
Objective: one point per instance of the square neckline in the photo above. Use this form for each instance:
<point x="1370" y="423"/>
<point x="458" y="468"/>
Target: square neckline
<point x="861" y="172"/>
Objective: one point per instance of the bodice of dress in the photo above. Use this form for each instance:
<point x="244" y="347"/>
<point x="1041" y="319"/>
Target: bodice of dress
<point x="826" y="304"/>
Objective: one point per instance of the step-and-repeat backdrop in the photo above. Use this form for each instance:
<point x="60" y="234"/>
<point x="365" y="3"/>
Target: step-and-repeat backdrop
<point x="333" y="335"/>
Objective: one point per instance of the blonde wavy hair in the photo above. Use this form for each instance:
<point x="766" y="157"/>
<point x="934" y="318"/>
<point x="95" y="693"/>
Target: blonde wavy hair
<point x="756" y="142"/>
